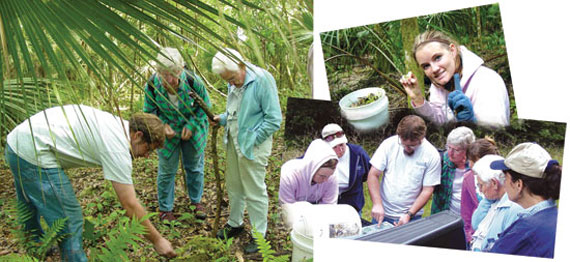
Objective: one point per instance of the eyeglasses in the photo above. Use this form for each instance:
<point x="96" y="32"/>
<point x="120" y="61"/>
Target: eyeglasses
<point x="333" y="136"/>
<point x="413" y="147"/>
<point x="455" y="149"/>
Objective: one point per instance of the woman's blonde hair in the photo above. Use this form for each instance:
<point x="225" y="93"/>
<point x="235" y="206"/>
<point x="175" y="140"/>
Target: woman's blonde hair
<point x="443" y="39"/>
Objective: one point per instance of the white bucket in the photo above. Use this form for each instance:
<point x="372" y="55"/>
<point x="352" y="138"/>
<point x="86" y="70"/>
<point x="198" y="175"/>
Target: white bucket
<point x="366" y="117"/>
<point x="302" y="247"/>
<point x="327" y="221"/>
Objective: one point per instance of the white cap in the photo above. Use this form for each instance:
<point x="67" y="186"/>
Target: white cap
<point x="331" y="129"/>
<point x="528" y="159"/>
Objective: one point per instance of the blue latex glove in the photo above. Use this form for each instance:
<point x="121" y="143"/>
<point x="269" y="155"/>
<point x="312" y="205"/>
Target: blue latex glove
<point x="460" y="103"/>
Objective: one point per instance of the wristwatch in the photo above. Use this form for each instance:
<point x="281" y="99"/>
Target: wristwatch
<point x="409" y="213"/>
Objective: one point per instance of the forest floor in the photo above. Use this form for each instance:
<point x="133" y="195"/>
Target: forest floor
<point x="189" y="236"/>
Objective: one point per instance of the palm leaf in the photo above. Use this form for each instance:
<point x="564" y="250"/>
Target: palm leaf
<point x="95" y="38"/>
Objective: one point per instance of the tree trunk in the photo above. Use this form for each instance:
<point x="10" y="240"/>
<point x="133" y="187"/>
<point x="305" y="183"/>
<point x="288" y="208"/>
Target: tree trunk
<point x="213" y="143"/>
<point x="479" y="33"/>
<point x="409" y="29"/>
<point x="4" y="69"/>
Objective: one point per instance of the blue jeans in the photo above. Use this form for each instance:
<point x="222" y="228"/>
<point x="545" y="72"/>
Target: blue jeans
<point x="194" y="173"/>
<point x="392" y="221"/>
<point x="47" y="193"/>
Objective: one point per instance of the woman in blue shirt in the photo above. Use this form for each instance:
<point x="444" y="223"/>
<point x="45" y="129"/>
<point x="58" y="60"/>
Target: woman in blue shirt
<point x="532" y="181"/>
<point x="495" y="212"/>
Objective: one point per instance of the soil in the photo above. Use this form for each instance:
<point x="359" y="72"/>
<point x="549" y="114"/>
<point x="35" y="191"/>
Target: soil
<point x="89" y="186"/>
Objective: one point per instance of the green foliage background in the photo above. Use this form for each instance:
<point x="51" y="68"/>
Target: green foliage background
<point x="100" y="53"/>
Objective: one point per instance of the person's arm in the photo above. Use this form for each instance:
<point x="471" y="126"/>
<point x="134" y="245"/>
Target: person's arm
<point x="286" y="187"/>
<point x="420" y="202"/>
<point x="269" y="102"/>
<point x="365" y="164"/>
<point x="222" y="119"/>
<point x="330" y="195"/>
<point x="468" y="203"/>
<point x="377" y="211"/>
<point x="514" y="241"/>
<point x="412" y="88"/>
<point x="435" y="109"/>
<point x="480" y="212"/>
<point x="129" y="201"/>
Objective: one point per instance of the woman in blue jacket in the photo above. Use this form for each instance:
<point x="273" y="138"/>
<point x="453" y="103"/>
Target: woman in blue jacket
<point x="532" y="181"/>
<point x="352" y="168"/>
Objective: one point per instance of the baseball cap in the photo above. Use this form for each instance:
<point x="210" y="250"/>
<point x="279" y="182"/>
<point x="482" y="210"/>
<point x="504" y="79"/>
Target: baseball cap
<point x="528" y="159"/>
<point x="337" y="133"/>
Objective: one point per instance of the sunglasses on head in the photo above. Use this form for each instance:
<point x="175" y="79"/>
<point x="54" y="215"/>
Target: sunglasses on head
<point x="333" y="136"/>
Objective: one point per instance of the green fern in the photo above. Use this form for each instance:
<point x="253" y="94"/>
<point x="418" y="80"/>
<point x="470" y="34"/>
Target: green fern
<point x="267" y="253"/>
<point x="36" y="245"/>
<point x="51" y="236"/>
<point x="18" y="215"/>
<point x="18" y="258"/>
<point x="203" y="248"/>
<point x="126" y="232"/>
<point x="22" y="211"/>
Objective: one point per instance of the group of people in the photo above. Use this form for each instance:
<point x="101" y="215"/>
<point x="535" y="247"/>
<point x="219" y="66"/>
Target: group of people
<point x="507" y="204"/>
<point x="513" y="194"/>
<point x="174" y="122"/>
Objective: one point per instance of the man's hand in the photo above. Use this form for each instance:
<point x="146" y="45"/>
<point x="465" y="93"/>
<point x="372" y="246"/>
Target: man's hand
<point x="377" y="213"/>
<point x="185" y="134"/>
<point x="410" y="83"/>
<point x="164" y="248"/>
<point x="404" y="219"/>
<point x="169" y="132"/>
<point x="127" y="198"/>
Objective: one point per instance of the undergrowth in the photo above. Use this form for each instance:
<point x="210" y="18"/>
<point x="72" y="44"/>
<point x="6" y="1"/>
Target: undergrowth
<point x="265" y="250"/>
<point x="37" y="244"/>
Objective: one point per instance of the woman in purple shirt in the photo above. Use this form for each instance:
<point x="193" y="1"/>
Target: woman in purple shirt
<point x="469" y="198"/>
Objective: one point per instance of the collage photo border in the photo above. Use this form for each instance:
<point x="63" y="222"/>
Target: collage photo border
<point x="535" y="49"/>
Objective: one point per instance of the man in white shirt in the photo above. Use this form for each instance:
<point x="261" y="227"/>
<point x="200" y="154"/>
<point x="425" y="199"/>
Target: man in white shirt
<point x="69" y="136"/>
<point x="410" y="166"/>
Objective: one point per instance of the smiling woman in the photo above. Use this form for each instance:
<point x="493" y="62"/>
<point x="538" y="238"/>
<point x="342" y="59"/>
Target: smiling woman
<point x="462" y="89"/>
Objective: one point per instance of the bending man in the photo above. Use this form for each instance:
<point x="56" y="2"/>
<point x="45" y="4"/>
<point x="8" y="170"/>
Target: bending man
<point x="79" y="136"/>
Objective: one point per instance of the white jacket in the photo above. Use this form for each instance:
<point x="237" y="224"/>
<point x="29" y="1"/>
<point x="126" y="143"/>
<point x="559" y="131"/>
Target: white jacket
<point x="486" y="90"/>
